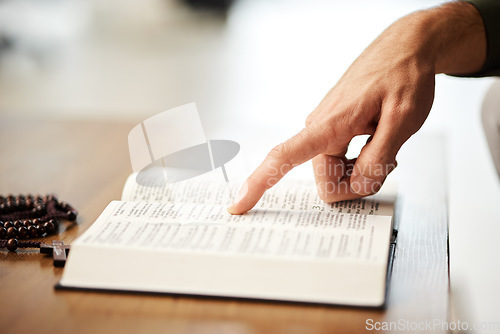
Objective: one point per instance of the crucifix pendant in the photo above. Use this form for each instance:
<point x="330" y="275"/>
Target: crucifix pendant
<point x="58" y="250"/>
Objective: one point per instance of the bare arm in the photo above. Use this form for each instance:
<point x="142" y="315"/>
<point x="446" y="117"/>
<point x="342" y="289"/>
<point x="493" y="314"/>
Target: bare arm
<point x="386" y="93"/>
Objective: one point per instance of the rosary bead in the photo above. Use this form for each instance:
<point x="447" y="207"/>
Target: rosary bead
<point x="71" y="215"/>
<point x="25" y="208"/>
<point x="49" y="227"/>
<point x="12" y="244"/>
<point x="55" y="222"/>
<point x="11" y="232"/>
<point x="29" y="203"/>
<point x="41" y="230"/>
<point x="51" y="197"/>
<point x="20" y="203"/>
<point x="33" y="231"/>
<point x="5" y="208"/>
<point x="22" y="232"/>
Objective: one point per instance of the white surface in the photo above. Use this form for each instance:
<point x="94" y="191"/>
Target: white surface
<point x="267" y="59"/>
<point x="474" y="226"/>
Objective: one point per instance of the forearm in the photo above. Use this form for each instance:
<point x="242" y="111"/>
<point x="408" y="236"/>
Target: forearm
<point x="451" y="37"/>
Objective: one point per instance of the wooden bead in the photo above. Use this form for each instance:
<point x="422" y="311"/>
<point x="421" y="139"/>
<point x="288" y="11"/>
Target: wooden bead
<point x="51" y="197"/>
<point x="12" y="244"/>
<point x="3" y="232"/>
<point x="8" y="224"/>
<point x="41" y="230"/>
<point x="27" y="223"/>
<point x="71" y="215"/>
<point x="20" y="203"/>
<point x="11" y="232"/>
<point x="29" y="203"/>
<point x="22" y="232"/>
<point x="56" y="224"/>
<point x="33" y="231"/>
<point x="49" y="227"/>
<point x="18" y="224"/>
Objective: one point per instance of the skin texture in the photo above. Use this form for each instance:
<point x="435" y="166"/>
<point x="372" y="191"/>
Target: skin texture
<point x="386" y="93"/>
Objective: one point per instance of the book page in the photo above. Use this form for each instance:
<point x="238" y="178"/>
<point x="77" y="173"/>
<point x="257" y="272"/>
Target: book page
<point x="186" y="227"/>
<point x="286" y="195"/>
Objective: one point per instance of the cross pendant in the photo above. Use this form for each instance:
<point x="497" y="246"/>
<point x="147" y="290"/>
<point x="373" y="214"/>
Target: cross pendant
<point x="58" y="250"/>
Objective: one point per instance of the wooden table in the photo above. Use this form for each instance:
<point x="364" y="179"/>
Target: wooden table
<point x="86" y="164"/>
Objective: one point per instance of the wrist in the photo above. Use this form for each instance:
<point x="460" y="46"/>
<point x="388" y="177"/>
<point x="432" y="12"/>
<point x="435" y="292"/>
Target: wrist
<point x="454" y="37"/>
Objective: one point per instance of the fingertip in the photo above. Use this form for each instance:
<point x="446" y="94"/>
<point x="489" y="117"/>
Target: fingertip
<point x="233" y="210"/>
<point x="243" y="205"/>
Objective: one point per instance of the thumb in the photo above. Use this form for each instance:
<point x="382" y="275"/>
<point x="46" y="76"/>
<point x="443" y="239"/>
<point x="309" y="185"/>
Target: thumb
<point x="376" y="160"/>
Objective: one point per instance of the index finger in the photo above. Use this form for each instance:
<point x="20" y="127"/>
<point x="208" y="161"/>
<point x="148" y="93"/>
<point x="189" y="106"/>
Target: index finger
<point x="304" y="146"/>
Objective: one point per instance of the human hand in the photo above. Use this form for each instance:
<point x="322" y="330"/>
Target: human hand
<point x="386" y="93"/>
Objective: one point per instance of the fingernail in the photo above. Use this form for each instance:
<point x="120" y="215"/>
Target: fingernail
<point x="363" y="185"/>
<point x="241" y="194"/>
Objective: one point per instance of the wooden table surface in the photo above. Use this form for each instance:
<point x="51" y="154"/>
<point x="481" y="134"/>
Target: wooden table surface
<point x="86" y="164"/>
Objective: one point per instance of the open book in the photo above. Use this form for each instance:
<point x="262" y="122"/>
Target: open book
<point x="292" y="247"/>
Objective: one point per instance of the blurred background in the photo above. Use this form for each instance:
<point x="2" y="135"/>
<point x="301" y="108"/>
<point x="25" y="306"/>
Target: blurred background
<point x="248" y="64"/>
<point x="127" y="60"/>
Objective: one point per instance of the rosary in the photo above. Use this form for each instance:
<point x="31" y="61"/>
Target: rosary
<point x="24" y="217"/>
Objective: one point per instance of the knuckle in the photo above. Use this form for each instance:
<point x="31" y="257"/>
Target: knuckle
<point x="280" y="154"/>
<point x="372" y="160"/>
<point x="352" y="120"/>
<point x="400" y="111"/>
